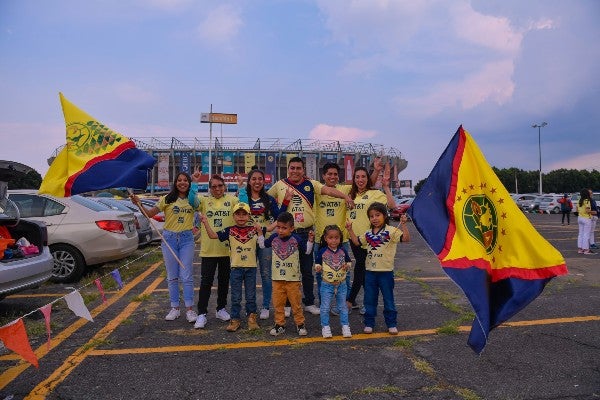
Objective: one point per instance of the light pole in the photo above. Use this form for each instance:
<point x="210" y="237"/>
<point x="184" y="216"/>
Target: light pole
<point x="539" y="128"/>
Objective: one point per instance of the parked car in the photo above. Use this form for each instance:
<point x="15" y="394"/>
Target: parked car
<point x="535" y="204"/>
<point x="155" y="225"/>
<point x="158" y="218"/>
<point x="81" y="232"/>
<point x="31" y="270"/>
<point x="524" y="200"/>
<point x="401" y="208"/>
<point x="142" y="223"/>
<point x="549" y="203"/>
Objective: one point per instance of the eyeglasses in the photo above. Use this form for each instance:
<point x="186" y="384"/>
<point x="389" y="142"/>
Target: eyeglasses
<point x="217" y="186"/>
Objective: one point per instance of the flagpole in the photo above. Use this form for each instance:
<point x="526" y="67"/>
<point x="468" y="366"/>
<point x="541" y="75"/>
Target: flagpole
<point x="143" y="211"/>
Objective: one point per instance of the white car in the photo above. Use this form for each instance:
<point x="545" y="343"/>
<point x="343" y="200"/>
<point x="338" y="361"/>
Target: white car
<point x="81" y="232"/>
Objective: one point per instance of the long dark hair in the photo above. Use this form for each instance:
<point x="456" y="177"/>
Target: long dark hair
<point x="174" y="193"/>
<point x="354" y="190"/>
<point x="584" y="195"/>
<point x="264" y="197"/>
<point x="379" y="207"/>
<point x="328" y="228"/>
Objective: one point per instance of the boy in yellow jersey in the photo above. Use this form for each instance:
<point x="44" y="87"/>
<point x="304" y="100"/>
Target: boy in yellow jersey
<point x="243" y="240"/>
<point x="302" y="207"/>
<point x="285" y="272"/>
<point x="215" y="254"/>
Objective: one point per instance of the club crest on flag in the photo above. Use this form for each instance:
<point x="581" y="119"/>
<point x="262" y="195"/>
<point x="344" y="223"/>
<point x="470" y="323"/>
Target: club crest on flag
<point x="481" y="221"/>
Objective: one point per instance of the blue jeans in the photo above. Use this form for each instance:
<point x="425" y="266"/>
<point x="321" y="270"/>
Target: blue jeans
<point x="327" y="293"/>
<point x="247" y="276"/>
<point x="264" y="257"/>
<point x="374" y="282"/>
<point x="182" y="244"/>
<point x="319" y="275"/>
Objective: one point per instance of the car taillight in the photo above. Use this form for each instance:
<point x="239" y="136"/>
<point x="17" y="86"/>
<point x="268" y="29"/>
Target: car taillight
<point x="159" y="218"/>
<point x="111" y="226"/>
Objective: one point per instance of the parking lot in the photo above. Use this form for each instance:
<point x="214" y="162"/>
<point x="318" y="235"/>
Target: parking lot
<point x="551" y="350"/>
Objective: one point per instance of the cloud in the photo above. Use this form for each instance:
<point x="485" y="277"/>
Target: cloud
<point x="220" y="26"/>
<point x="586" y="161"/>
<point x="341" y="133"/>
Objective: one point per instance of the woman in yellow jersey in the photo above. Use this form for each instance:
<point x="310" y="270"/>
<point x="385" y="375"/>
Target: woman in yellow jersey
<point x="363" y="194"/>
<point x="584" y="220"/>
<point x="214" y="253"/>
<point x="177" y="233"/>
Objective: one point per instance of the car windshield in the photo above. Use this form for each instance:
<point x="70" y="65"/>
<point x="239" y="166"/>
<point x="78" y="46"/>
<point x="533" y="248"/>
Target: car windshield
<point x="114" y="204"/>
<point x="92" y="205"/>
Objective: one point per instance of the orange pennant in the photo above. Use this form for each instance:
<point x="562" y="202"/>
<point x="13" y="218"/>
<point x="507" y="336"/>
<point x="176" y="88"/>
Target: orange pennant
<point x="15" y="338"/>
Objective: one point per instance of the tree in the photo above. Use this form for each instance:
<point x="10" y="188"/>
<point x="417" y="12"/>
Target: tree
<point x="31" y="180"/>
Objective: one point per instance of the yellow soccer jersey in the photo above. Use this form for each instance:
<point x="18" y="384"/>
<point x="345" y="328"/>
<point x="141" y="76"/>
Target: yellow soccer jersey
<point x="302" y="204"/>
<point x="179" y="215"/>
<point x="242" y="242"/>
<point x="331" y="211"/>
<point x="218" y="213"/>
<point x="333" y="263"/>
<point x="381" y="248"/>
<point x="358" y="216"/>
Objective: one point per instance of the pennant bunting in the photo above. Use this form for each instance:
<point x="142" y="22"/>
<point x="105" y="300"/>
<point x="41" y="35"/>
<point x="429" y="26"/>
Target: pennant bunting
<point x="100" y="289"/>
<point x="483" y="240"/>
<point x="76" y="304"/>
<point x="14" y="337"/>
<point x="117" y="277"/>
<point x="47" y="310"/>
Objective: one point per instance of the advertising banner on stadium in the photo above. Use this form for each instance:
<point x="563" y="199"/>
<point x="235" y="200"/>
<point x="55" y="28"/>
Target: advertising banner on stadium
<point x="163" y="170"/>
<point x="204" y="157"/>
<point x="228" y="162"/>
<point x="249" y="161"/>
<point x="311" y="166"/>
<point x="348" y="168"/>
<point x="184" y="162"/>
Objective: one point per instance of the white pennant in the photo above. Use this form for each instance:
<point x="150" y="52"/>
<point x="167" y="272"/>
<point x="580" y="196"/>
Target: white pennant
<point x="76" y="304"/>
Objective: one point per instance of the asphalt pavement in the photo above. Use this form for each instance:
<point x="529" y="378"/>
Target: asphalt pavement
<point x="550" y="350"/>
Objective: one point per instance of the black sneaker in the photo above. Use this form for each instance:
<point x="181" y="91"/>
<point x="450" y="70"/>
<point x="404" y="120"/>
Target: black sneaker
<point x="277" y="330"/>
<point x="301" y="330"/>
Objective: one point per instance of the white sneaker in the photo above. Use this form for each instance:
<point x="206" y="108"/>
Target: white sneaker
<point x="326" y="332"/>
<point x="314" y="310"/>
<point x="264" y="313"/>
<point x="287" y="311"/>
<point x="173" y="314"/>
<point x="223" y="315"/>
<point x="368" y="329"/>
<point x="191" y="316"/>
<point x="200" y="321"/>
<point x="346" y="331"/>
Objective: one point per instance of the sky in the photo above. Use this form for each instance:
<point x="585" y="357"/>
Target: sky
<point x="404" y="74"/>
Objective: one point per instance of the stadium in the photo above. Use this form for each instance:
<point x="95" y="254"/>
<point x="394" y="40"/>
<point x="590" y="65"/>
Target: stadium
<point x="234" y="156"/>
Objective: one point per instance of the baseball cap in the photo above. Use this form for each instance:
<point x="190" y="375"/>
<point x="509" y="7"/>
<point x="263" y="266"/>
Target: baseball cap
<point x="241" y="206"/>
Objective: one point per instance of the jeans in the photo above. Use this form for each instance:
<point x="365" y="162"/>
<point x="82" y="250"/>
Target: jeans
<point x="583" y="239"/>
<point x="374" y="282"/>
<point x="264" y="257"/>
<point x="207" y="276"/>
<point x="306" y="269"/>
<point x="319" y="275"/>
<point x="247" y="277"/>
<point x="328" y="292"/>
<point x="360" y="257"/>
<point x="182" y="244"/>
<point x="568" y="214"/>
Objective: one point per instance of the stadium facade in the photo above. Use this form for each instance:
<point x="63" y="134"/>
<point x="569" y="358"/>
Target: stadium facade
<point x="232" y="156"/>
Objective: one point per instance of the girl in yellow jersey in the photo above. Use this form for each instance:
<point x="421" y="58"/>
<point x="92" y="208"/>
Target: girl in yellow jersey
<point x="363" y="194"/>
<point x="177" y="233"/>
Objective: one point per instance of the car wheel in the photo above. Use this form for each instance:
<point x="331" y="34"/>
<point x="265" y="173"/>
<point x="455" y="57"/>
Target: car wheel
<point x="556" y="210"/>
<point x="69" y="264"/>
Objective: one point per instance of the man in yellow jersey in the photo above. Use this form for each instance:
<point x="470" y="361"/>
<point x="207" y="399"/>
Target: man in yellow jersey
<point x="302" y="207"/>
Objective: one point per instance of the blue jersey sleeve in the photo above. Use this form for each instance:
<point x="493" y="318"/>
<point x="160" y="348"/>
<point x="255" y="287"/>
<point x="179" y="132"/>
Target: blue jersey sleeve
<point x="346" y="255"/>
<point x="223" y="235"/>
<point x="269" y="240"/>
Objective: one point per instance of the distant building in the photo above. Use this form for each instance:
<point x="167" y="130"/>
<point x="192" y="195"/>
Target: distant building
<point x="232" y="156"/>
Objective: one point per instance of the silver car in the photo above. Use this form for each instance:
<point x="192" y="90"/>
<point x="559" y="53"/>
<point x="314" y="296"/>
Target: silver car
<point x="22" y="268"/>
<point x="81" y="232"/>
<point x="142" y="223"/>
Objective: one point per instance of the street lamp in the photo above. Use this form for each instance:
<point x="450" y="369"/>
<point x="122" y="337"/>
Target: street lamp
<point x="539" y="128"/>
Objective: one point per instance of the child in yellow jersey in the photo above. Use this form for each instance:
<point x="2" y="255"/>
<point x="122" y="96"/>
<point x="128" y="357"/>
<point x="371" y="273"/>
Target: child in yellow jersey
<point x="380" y="241"/>
<point x="285" y="272"/>
<point x="243" y="240"/>
<point x="332" y="261"/>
